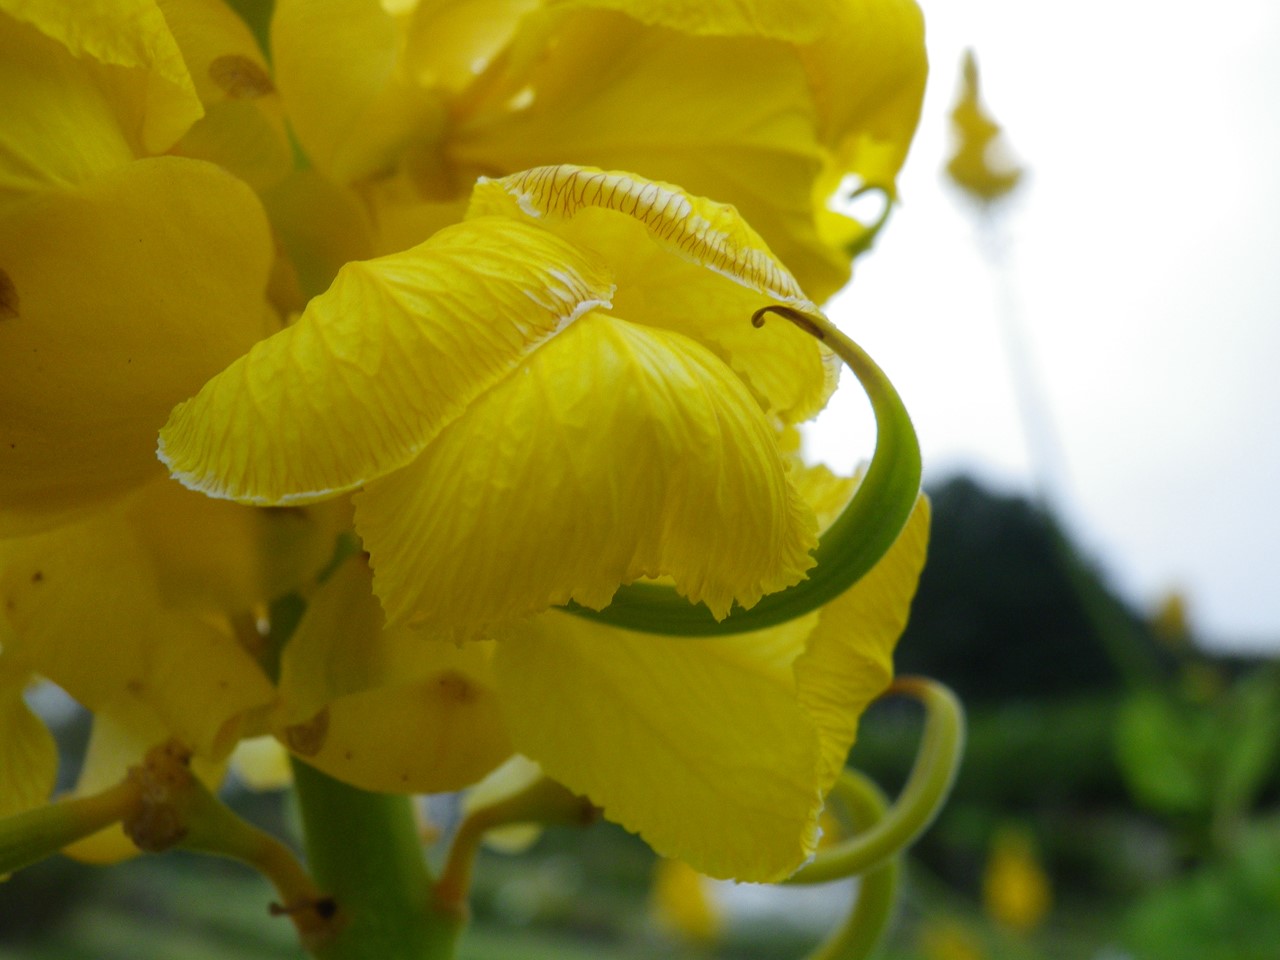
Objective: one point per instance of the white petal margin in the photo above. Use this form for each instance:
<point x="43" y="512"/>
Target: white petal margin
<point x="379" y="364"/>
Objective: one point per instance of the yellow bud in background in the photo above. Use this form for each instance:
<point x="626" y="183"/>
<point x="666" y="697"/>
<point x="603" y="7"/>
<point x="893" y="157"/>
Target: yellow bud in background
<point x="1015" y="888"/>
<point x="980" y="166"/>
<point x="683" y="904"/>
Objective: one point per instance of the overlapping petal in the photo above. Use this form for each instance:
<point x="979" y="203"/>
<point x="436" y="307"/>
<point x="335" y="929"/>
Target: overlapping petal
<point x="126" y="294"/>
<point x="387" y="710"/>
<point x="848" y="658"/>
<point x="681" y="262"/>
<point x="615" y="452"/>
<point x="242" y="129"/>
<point x="87" y="607"/>
<point x="379" y="364"/>
<point x="353" y="104"/>
<point x="134" y="56"/>
<point x="648" y="727"/>
<point x="751" y="142"/>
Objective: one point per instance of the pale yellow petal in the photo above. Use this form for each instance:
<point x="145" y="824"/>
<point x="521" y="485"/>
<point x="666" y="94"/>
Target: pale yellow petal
<point x="387" y="710"/>
<point x="682" y="262"/>
<point x="129" y="292"/>
<point x="682" y="741"/>
<point x="379" y="364"/>
<point x="615" y="452"/>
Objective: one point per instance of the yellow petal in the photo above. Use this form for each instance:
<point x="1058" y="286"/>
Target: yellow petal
<point x="86" y="609"/>
<point x="867" y="72"/>
<point x="243" y="127"/>
<point x="129" y="293"/>
<point x="615" y="452"/>
<point x="774" y="19"/>
<point x="379" y="364"/>
<point x="682" y="262"/>
<point x="136" y="56"/>
<point x="387" y="710"/>
<point x="28" y="754"/>
<point x="657" y="102"/>
<point x="848" y="660"/>
<point x="353" y="105"/>
<point x="60" y="126"/>
<point x="687" y="743"/>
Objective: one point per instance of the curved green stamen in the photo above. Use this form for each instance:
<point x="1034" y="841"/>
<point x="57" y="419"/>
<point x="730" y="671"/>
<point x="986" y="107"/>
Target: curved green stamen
<point x="860" y="536"/>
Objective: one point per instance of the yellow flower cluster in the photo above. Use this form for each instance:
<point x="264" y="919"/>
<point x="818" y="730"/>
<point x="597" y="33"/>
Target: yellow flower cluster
<point x="422" y="271"/>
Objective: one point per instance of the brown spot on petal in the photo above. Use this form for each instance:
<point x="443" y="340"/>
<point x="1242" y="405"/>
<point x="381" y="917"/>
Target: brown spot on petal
<point x="240" y="78"/>
<point x="455" y="687"/>
<point x="8" y="298"/>
<point x="37" y="577"/>
<point x="308" y="738"/>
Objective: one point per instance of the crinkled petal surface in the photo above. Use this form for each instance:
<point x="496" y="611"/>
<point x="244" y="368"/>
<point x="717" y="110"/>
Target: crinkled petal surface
<point x="388" y="710"/>
<point x="616" y="451"/>
<point x="682" y="262"/>
<point x="379" y="364"/>
<point x="690" y="744"/>
<point x="127" y="294"/>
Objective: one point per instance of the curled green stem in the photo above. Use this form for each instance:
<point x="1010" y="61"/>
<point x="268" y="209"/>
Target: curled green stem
<point x="849" y="548"/>
<point x="543" y="802"/>
<point x="867" y="921"/>
<point x="932" y="775"/>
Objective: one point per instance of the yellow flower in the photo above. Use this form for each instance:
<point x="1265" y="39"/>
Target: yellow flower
<point x="558" y="396"/>
<point x="536" y="390"/>
<point x="980" y="166"/>
<point x="766" y="104"/>
<point x="126" y="278"/>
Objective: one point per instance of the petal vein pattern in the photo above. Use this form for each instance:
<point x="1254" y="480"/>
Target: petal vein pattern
<point x="617" y="451"/>
<point x="380" y="363"/>
<point x="710" y="234"/>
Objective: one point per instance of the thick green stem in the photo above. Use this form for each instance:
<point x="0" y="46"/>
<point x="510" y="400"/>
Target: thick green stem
<point x="941" y="748"/>
<point x="850" y="547"/>
<point x="364" y="851"/>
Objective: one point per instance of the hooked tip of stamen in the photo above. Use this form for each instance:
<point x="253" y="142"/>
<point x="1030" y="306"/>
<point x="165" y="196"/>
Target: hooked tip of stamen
<point x="801" y="320"/>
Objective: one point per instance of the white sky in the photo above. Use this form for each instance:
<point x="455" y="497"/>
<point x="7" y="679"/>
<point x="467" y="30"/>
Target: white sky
<point x="1144" y="272"/>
